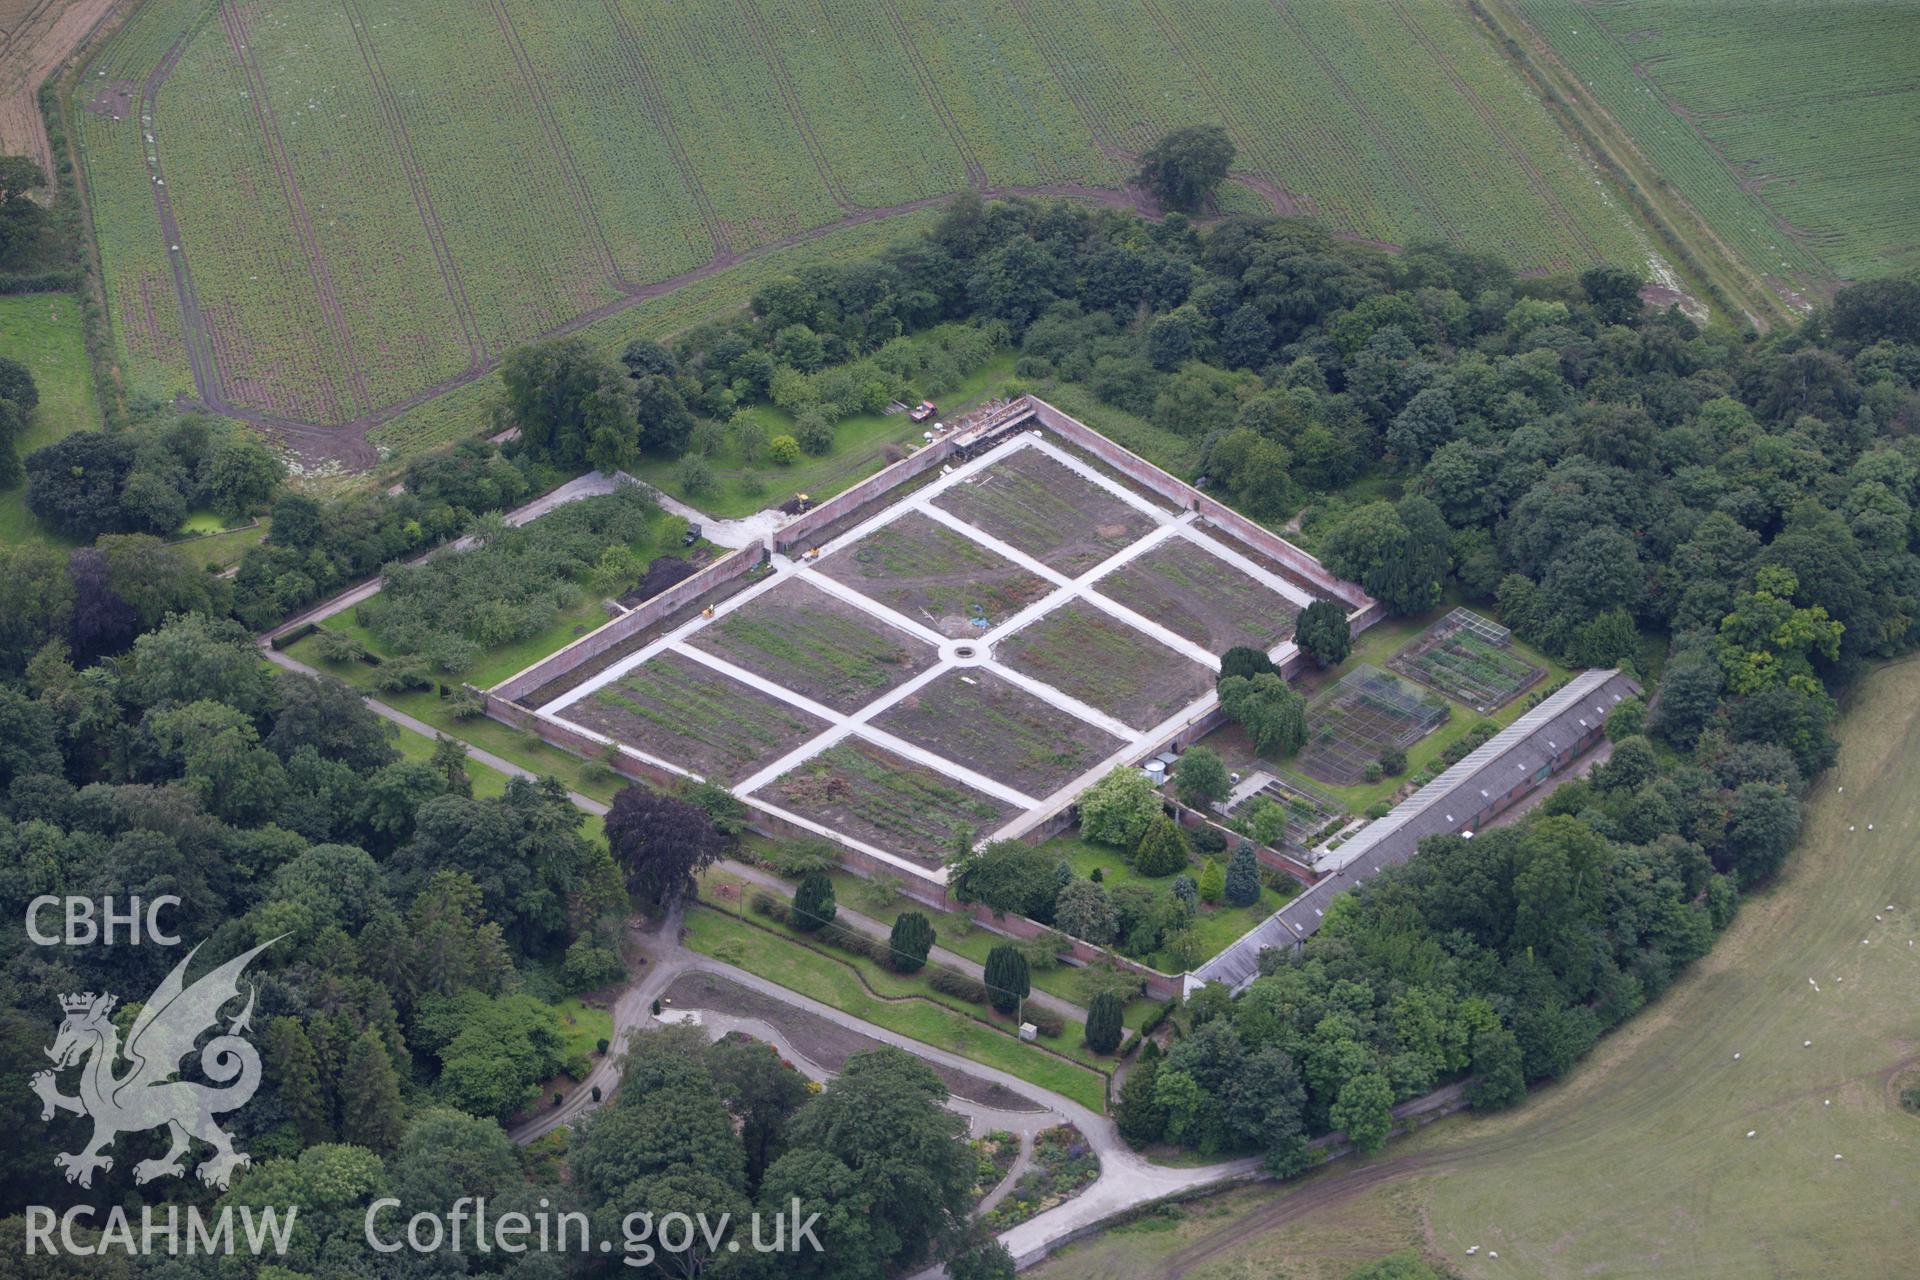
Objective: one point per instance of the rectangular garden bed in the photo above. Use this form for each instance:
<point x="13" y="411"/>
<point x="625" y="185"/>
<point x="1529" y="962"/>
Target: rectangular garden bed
<point x="1035" y="503"/>
<point x="975" y="718"/>
<point x="1196" y="594"/>
<point x="673" y="707"/>
<point x="817" y="645"/>
<point x="870" y="794"/>
<point x="1469" y="658"/>
<point x="1363" y="715"/>
<point x="935" y="575"/>
<point x="1093" y="656"/>
<point x="1308" y="812"/>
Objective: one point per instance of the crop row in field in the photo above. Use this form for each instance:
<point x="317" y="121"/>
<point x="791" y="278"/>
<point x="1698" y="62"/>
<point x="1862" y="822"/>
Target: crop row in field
<point x="1398" y="127"/>
<point x="466" y="410"/>
<point x="1788" y="134"/>
<point x="935" y="575"/>
<point x="376" y="197"/>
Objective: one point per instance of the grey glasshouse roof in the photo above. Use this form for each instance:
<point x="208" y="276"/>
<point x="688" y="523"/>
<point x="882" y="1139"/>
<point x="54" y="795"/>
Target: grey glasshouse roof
<point x="1446" y="804"/>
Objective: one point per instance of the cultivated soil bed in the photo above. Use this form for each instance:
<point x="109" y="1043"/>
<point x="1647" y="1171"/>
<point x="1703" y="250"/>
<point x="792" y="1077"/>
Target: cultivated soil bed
<point x="1093" y="656"/>
<point x="994" y="727"/>
<point x="1467" y="667"/>
<point x="1195" y="594"/>
<point x="826" y="1044"/>
<point x="1363" y="715"/>
<point x="673" y="707"/>
<point x="935" y="575"/>
<point x="817" y="645"/>
<point x="1032" y="502"/>
<point x="613" y="655"/>
<point x="872" y="795"/>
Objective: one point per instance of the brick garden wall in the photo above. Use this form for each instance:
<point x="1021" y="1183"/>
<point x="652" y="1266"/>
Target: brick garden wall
<point x="1188" y="498"/>
<point x="643" y="615"/>
<point x="811" y="528"/>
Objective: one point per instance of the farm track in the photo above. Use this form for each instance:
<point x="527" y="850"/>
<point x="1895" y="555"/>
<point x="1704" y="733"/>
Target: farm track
<point x="930" y="89"/>
<point x="1268" y="185"/>
<point x="1536" y="181"/>
<point x="790" y="98"/>
<point x="389" y="107"/>
<point x="570" y="178"/>
<point x="633" y="53"/>
<point x="1672" y="218"/>
<point x="1407" y="175"/>
<point x="330" y="309"/>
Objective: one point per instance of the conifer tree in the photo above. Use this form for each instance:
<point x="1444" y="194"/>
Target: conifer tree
<point x="813" y="904"/>
<point x="371" y="1113"/>
<point x="1213" y="881"/>
<point x="910" y="942"/>
<point x="1140" y="1116"/>
<point x="1243" y="877"/>
<point x="294" y="1072"/>
<point x="1008" y="978"/>
<point x="1104" y="1023"/>
<point x="1162" y="850"/>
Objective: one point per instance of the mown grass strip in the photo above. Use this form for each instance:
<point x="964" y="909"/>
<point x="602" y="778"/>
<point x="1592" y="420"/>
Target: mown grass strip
<point x="723" y="936"/>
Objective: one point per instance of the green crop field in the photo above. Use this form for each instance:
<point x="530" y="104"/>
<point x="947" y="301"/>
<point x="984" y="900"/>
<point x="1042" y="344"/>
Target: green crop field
<point x="373" y="202"/>
<point x="42" y="331"/>
<point x="1648" y="1136"/>
<point x="1789" y="126"/>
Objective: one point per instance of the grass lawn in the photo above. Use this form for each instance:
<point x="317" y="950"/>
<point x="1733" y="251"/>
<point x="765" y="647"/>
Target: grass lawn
<point x="1169" y="450"/>
<point x="1215" y="928"/>
<point x="42" y="331"/>
<point x="487" y="782"/>
<point x="719" y="934"/>
<point x="583" y="1028"/>
<point x="1637" y="1164"/>
<point x="960" y="934"/>
<point x="743" y="488"/>
<point x="220" y="550"/>
<point x="515" y="745"/>
<point x="886" y="982"/>
<point x="201" y="521"/>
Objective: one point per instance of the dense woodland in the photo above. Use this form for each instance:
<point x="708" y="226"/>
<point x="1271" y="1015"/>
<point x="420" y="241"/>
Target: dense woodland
<point x="1731" y="516"/>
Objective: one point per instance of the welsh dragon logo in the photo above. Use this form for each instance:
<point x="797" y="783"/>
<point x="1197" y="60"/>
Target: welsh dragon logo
<point x="146" y="1096"/>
